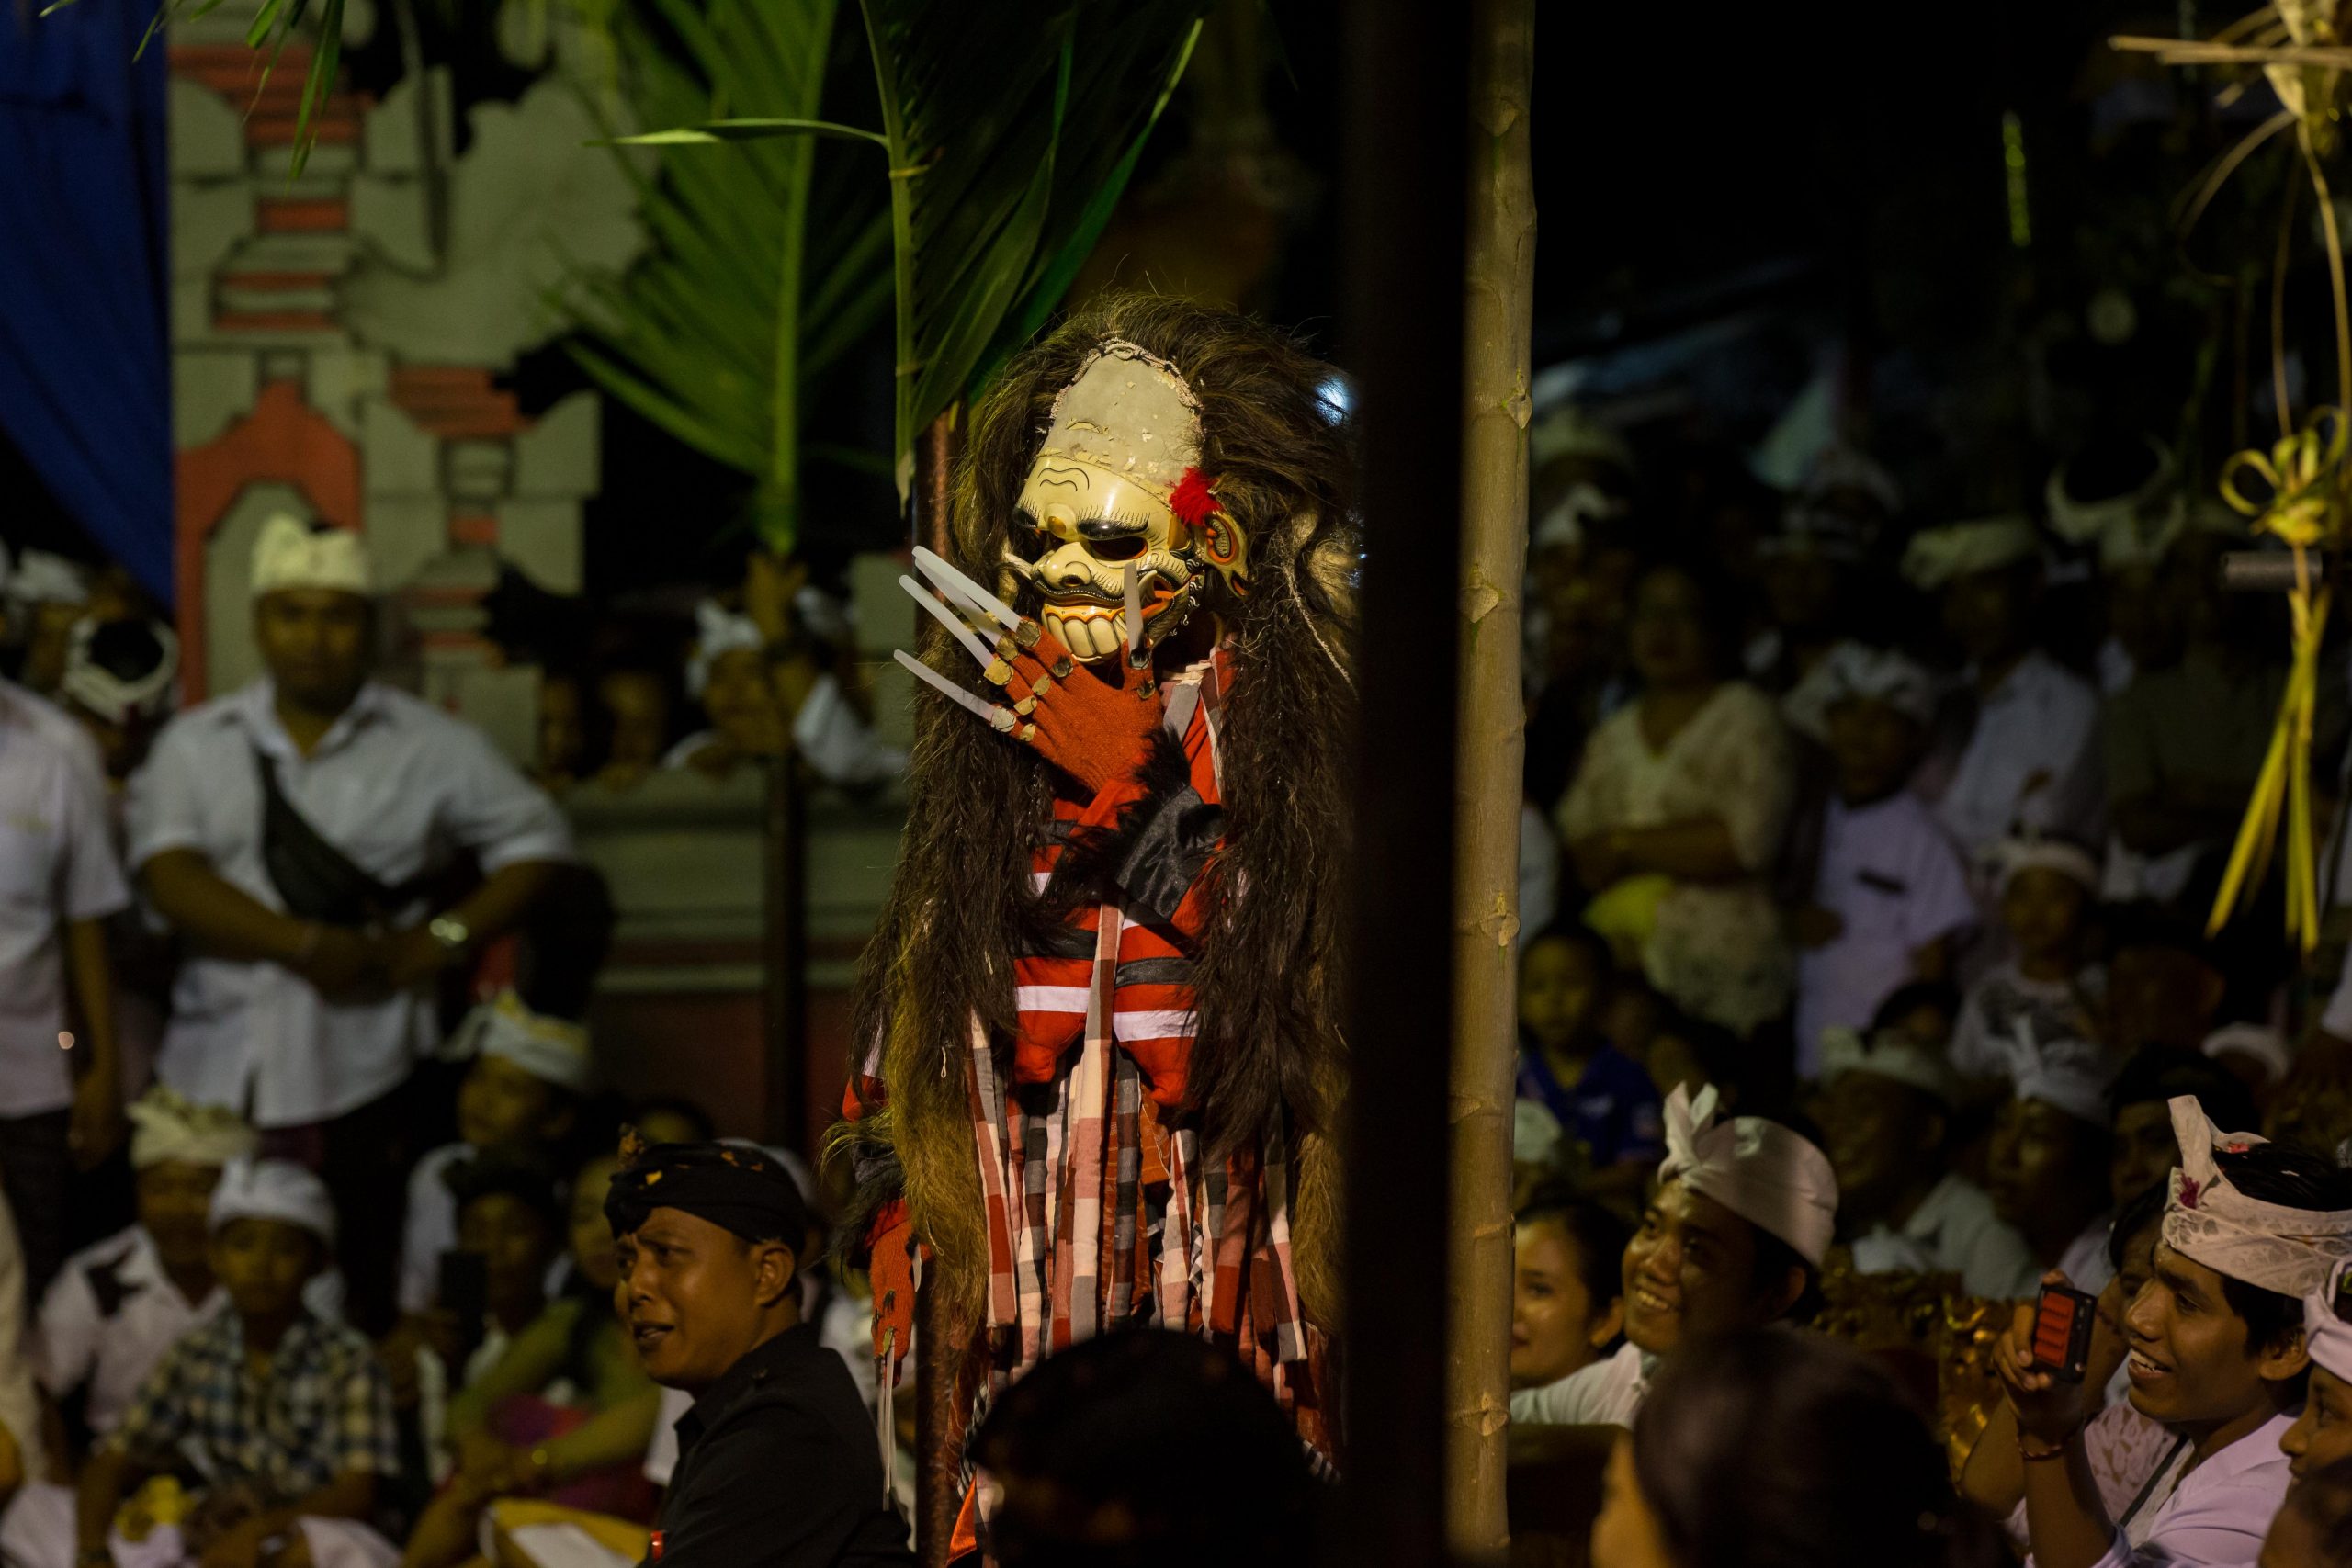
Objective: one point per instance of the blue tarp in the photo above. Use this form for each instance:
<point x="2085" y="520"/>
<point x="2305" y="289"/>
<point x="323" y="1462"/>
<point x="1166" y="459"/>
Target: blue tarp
<point x="85" y="271"/>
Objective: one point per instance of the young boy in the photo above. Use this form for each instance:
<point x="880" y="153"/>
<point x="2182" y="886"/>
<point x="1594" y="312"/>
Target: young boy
<point x="2048" y="1173"/>
<point x="2217" y="1355"/>
<point x="519" y="1099"/>
<point x="279" y="1422"/>
<point x="1890" y="897"/>
<point x="117" y="1307"/>
<point x="2046" y="986"/>
<point x="1601" y="1098"/>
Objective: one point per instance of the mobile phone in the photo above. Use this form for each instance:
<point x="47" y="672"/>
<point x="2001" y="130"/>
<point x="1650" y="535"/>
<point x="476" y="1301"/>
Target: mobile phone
<point x="2062" y="1332"/>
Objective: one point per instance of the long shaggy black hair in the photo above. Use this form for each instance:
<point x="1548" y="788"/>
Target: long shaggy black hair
<point x="1266" y="1050"/>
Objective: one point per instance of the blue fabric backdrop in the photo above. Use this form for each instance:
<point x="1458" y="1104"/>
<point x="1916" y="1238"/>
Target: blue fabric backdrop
<point x="85" y="271"/>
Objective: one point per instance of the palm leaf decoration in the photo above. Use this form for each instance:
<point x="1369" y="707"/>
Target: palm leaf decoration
<point x="1012" y="128"/>
<point x="764" y="269"/>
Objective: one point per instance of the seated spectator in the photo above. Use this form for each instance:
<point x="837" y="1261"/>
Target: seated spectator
<point x="120" y="680"/>
<point x="1889" y="899"/>
<point x="2255" y="1054"/>
<point x="1602" y="1099"/>
<point x="563" y="732"/>
<point x="2322" y="1435"/>
<point x="2146" y="1148"/>
<point x="2163" y="985"/>
<point x="1148" y="1449"/>
<point x="2183" y="744"/>
<point x="1771" y="1448"/>
<point x="633" y="713"/>
<point x="1734" y="1239"/>
<point x="562" y="1410"/>
<point x="281" y="1420"/>
<point x="2125" y="1449"/>
<point x="1568" y="1304"/>
<point x="2050" y="1160"/>
<point x="22" y="1456"/>
<point x="520" y="1098"/>
<point x="47" y="596"/>
<point x="773" y="675"/>
<point x="670" y="1119"/>
<point x="2031" y="751"/>
<point x="1888" y="1117"/>
<point x="1808" y="569"/>
<point x="2218" y="1357"/>
<point x="1688" y="1054"/>
<point x="705" y="1236"/>
<point x="2048" y="984"/>
<point x="2313" y="1528"/>
<point x="1676" y="811"/>
<point x="117" y="1307"/>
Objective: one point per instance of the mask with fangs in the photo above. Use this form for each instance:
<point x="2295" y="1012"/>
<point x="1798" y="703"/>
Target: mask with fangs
<point x="1117" y="482"/>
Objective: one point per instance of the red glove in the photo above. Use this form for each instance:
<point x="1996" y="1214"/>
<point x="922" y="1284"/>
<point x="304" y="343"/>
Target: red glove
<point x="1094" y="731"/>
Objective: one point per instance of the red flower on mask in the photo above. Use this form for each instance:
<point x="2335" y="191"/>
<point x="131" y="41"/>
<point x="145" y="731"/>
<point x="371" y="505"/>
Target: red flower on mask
<point x="1194" y="498"/>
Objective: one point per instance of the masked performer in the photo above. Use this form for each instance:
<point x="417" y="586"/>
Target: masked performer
<point x="1103" y="998"/>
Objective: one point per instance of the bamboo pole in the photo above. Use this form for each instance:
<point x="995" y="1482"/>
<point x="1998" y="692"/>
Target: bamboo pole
<point x="1498" y="325"/>
<point x="1404" y="108"/>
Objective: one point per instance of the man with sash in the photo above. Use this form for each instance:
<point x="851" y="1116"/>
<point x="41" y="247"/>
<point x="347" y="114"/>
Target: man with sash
<point x="296" y="832"/>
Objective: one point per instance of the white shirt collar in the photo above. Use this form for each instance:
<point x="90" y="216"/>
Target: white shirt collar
<point x="256" y="708"/>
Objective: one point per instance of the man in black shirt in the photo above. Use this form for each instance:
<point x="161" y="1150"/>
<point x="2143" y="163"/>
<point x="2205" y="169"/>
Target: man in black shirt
<point x="778" y="1464"/>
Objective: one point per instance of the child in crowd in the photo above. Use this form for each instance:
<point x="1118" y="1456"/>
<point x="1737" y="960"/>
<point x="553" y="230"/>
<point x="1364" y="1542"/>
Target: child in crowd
<point x="2051" y="1155"/>
<point x="1567" y="1295"/>
<point x="1888" y="1116"/>
<point x="2046" y="987"/>
<point x="521" y="1097"/>
<point x="278" y="1421"/>
<point x="563" y="1411"/>
<point x="117" y="1307"/>
<point x="1602" y="1099"/>
<point x="1890" y="898"/>
<point x="2163" y="986"/>
<point x="2139" y="1115"/>
<point x="1690" y="1053"/>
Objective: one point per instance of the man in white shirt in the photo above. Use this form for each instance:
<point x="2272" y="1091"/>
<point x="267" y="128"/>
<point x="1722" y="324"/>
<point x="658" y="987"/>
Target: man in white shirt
<point x="60" y="880"/>
<point x="2217" y="1355"/>
<point x="2032" y="753"/>
<point x="1745" y="1212"/>
<point x="1887" y="1116"/>
<point x="291" y="830"/>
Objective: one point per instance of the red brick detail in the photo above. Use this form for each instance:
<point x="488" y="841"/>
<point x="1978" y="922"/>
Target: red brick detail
<point x="301" y="215"/>
<point x="269" y="94"/>
<point x="473" y="527"/>
<point x="283" y="439"/>
<point x="274" y="322"/>
<point x="277" y="282"/>
<point x="335" y="122"/>
<point x="456" y="403"/>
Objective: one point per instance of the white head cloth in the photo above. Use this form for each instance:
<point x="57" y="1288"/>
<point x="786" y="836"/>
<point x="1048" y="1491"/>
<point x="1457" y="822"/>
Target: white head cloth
<point x="107" y="695"/>
<point x="1939" y="556"/>
<point x="1892" y="1056"/>
<point x="1767" y="1174"/>
<point x="2326" y="1335"/>
<point x="2264" y="1044"/>
<point x="1127" y="412"/>
<point x="718" y="631"/>
<point x="291" y="554"/>
<point x="1534" y="1133"/>
<point x="1856" y="670"/>
<point x="2033" y="851"/>
<point x="1840" y="466"/>
<point x="273" y="1189"/>
<point x="2208" y="1221"/>
<point x="2150" y="514"/>
<point x="41" y="577"/>
<point x="553" y="1050"/>
<point x="2068" y="1074"/>
<point x="164" y="1128"/>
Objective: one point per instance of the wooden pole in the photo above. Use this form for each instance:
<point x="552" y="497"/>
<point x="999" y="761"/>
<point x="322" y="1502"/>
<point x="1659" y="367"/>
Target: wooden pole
<point x="935" y="1414"/>
<point x="1498" y="327"/>
<point x="1402" y="108"/>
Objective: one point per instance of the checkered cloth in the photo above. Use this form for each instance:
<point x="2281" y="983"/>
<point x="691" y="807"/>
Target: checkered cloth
<point x="322" y="1408"/>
